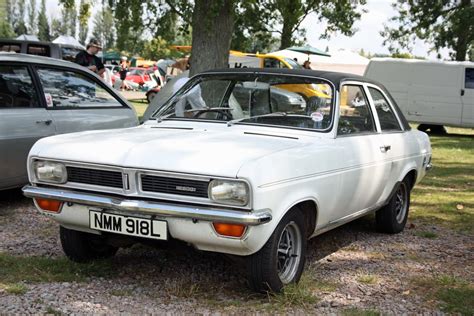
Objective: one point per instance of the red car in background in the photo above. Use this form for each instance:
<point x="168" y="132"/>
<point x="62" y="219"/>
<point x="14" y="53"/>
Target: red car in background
<point x="139" y="75"/>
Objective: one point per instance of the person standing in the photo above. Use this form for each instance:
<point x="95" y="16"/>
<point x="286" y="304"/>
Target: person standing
<point x="88" y="58"/>
<point x="123" y="72"/>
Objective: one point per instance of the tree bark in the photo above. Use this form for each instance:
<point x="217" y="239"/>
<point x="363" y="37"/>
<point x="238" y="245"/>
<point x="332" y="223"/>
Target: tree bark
<point x="213" y="23"/>
<point x="462" y="41"/>
<point x="286" y="35"/>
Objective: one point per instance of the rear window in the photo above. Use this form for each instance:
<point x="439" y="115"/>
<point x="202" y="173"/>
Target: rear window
<point x="469" y="78"/>
<point x="7" y="47"/>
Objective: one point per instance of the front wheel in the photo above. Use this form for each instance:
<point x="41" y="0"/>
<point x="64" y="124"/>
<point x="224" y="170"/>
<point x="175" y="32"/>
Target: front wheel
<point x="393" y="217"/>
<point x="281" y="260"/>
<point x="83" y="247"/>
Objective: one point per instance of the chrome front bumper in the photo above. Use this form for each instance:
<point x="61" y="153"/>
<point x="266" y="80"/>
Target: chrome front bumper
<point x="150" y="207"/>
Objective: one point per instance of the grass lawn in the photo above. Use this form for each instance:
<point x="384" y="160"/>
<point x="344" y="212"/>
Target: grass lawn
<point x="446" y="194"/>
<point x="140" y="107"/>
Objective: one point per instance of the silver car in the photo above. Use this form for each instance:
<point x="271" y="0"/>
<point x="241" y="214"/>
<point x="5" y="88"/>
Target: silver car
<point x="42" y="96"/>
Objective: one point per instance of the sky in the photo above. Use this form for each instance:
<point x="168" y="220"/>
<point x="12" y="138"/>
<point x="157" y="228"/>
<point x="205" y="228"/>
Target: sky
<point x="367" y="37"/>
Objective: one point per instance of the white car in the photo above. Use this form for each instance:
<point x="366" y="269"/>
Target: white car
<point x="231" y="175"/>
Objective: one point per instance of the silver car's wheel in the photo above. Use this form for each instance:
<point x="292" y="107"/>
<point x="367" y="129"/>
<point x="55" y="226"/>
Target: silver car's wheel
<point x="289" y="252"/>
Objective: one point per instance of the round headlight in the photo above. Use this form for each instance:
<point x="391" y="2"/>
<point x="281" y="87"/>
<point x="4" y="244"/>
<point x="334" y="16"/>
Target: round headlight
<point x="48" y="171"/>
<point x="229" y="192"/>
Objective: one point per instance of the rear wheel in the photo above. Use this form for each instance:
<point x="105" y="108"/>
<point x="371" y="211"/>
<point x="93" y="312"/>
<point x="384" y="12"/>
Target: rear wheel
<point x="83" y="247"/>
<point x="150" y="96"/>
<point x="281" y="260"/>
<point x="393" y="217"/>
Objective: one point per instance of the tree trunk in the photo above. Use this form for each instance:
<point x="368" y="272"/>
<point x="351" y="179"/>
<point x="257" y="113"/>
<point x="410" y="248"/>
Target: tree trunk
<point x="286" y="35"/>
<point x="213" y="23"/>
<point x="462" y="41"/>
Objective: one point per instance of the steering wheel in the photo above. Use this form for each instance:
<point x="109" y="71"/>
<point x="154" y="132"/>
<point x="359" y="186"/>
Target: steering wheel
<point x="6" y="99"/>
<point x="224" y="113"/>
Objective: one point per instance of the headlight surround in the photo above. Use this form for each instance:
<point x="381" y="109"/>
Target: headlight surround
<point x="229" y="192"/>
<point x="49" y="171"/>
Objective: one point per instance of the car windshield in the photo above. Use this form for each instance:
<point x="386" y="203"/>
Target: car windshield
<point x="293" y="63"/>
<point x="257" y="99"/>
<point x="137" y="72"/>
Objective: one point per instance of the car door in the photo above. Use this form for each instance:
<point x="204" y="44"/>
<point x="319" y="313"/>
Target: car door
<point x="467" y="97"/>
<point x="23" y="120"/>
<point x="362" y="166"/>
<point x="77" y="101"/>
<point x="398" y="145"/>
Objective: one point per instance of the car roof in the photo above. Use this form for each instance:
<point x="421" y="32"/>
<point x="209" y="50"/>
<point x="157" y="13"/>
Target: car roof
<point x="335" y="77"/>
<point x="33" y="59"/>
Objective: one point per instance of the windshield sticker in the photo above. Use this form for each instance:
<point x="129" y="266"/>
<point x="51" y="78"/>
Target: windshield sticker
<point x="49" y="100"/>
<point x="317" y="116"/>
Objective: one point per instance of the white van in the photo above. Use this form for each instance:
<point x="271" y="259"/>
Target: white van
<point x="431" y="93"/>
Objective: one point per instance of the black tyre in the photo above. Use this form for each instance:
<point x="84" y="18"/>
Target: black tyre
<point x="281" y="260"/>
<point x="433" y="129"/>
<point x="392" y="218"/>
<point x="83" y="247"/>
<point x="150" y="96"/>
<point x="423" y="127"/>
<point x="438" y="130"/>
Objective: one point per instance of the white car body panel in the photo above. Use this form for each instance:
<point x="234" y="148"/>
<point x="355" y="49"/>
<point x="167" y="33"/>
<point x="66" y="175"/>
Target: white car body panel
<point x="345" y="177"/>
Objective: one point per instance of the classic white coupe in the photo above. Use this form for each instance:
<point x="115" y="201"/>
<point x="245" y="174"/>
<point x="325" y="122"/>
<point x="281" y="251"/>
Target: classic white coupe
<point x="227" y="167"/>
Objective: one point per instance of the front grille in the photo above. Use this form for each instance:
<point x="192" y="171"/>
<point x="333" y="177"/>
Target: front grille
<point x="103" y="178"/>
<point x="167" y="185"/>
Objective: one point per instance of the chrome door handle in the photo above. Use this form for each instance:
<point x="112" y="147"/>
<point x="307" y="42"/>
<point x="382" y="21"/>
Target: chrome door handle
<point x="386" y="148"/>
<point x="47" y="122"/>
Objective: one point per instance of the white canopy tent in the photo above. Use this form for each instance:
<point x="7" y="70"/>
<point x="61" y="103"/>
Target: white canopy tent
<point x="26" y="37"/>
<point x="340" y="61"/>
<point x="64" y="39"/>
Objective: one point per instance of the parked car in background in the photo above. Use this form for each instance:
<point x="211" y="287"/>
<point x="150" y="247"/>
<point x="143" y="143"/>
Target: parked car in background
<point x="41" y="97"/>
<point x="139" y="75"/>
<point x="45" y="49"/>
<point x="233" y="174"/>
<point x="431" y="93"/>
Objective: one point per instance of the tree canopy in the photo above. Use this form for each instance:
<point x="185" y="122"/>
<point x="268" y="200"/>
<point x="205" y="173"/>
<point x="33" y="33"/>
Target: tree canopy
<point x="442" y="23"/>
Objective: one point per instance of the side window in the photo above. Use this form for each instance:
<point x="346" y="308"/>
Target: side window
<point x="7" y="47"/>
<point x="69" y="89"/>
<point x="388" y="120"/>
<point x="272" y="63"/>
<point x="39" y="50"/>
<point x="16" y="88"/>
<point x="354" y="112"/>
<point x="69" y="53"/>
<point x="469" y="78"/>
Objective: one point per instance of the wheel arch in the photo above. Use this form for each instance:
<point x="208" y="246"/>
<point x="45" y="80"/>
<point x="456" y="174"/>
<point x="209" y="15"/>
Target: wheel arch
<point x="412" y="176"/>
<point x="309" y="207"/>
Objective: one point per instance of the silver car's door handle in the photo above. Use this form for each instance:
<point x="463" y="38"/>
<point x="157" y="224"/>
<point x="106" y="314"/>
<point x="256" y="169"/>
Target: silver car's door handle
<point x="386" y="148"/>
<point x="47" y="122"/>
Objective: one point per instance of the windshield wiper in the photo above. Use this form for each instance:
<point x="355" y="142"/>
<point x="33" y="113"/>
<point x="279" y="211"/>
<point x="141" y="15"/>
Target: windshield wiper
<point x="230" y="123"/>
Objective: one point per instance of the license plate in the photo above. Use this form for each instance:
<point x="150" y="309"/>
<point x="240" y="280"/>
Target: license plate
<point x="128" y="225"/>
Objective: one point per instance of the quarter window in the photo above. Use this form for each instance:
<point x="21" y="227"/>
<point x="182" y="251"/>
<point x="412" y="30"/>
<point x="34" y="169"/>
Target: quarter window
<point x="469" y="78"/>
<point x="68" y="89"/>
<point x="16" y="88"/>
<point x="388" y="120"/>
<point x="354" y="112"/>
<point x="39" y="50"/>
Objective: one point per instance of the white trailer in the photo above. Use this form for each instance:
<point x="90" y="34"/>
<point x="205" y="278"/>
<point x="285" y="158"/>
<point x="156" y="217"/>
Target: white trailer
<point x="431" y="93"/>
